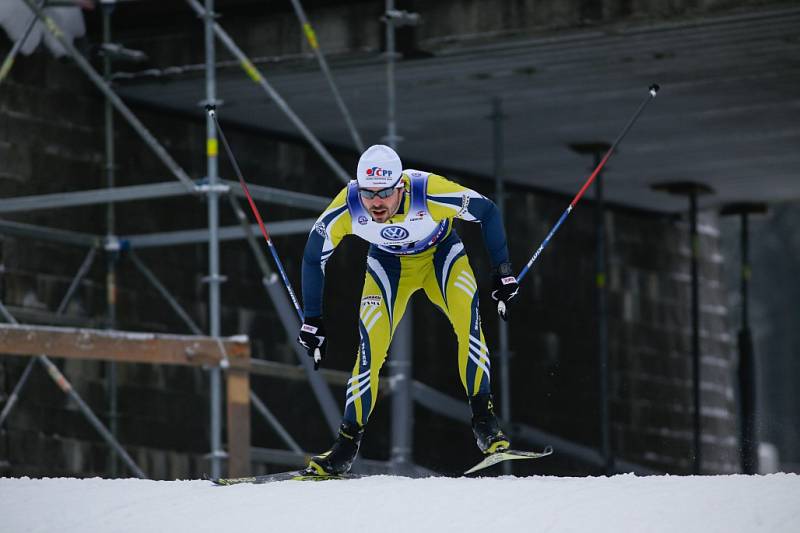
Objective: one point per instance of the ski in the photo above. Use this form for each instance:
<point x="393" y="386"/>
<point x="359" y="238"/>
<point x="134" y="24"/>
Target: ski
<point x="508" y="455"/>
<point x="306" y="475"/>
<point x="292" y="475"/>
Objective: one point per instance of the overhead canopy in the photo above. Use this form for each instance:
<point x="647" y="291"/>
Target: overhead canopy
<point x="728" y="114"/>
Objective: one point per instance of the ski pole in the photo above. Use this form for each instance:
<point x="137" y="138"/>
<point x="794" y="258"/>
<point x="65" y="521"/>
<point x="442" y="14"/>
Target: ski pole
<point x="212" y="112"/>
<point x="652" y="91"/>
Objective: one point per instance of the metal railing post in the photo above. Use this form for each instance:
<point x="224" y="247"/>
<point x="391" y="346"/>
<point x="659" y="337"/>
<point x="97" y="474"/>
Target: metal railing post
<point x="747" y="364"/>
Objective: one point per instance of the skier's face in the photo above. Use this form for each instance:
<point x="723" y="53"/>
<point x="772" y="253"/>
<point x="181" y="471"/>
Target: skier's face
<point x="382" y="209"/>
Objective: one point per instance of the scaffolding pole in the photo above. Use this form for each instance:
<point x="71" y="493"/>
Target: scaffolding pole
<point x="275" y="423"/>
<point x="401" y="361"/>
<point x="299" y="200"/>
<point x="214" y="279"/>
<point x="118" y="104"/>
<point x="91" y="197"/>
<point x="75" y="238"/>
<point x="162" y="290"/>
<point x="311" y="36"/>
<point x="259" y="79"/>
<point x="149" y="240"/>
<point x="150" y="191"/>
<point x="226" y="233"/>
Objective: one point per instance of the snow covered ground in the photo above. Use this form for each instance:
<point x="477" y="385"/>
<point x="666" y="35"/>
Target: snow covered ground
<point x="617" y="504"/>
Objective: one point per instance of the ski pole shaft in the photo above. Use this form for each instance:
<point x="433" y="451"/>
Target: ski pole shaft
<point x="652" y="91"/>
<point x="212" y="112"/>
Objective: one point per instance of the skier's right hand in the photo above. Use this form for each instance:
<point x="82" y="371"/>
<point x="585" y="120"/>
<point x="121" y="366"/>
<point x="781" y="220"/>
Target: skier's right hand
<point x="312" y="338"/>
<point x="505" y="288"/>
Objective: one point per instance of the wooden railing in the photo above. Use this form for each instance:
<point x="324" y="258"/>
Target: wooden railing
<point x="229" y="353"/>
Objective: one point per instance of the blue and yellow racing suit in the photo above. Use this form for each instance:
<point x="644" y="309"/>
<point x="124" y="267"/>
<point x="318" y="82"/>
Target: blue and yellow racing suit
<point x="417" y="248"/>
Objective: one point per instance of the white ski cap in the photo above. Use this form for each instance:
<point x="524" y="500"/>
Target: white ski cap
<point x="379" y="166"/>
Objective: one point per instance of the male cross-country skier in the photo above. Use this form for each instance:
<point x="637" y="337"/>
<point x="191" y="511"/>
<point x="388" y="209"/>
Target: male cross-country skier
<point x="407" y="217"/>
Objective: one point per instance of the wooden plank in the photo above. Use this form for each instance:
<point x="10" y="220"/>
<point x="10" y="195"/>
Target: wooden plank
<point x="238" y="396"/>
<point x="123" y="346"/>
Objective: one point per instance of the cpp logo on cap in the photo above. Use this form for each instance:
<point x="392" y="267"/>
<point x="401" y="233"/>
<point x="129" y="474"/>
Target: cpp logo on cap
<point x="378" y="171"/>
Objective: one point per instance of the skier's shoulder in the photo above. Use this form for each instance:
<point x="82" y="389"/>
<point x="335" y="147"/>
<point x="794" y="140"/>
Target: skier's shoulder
<point x="431" y="179"/>
<point x="413" y="174"/>
<point x="439" y="185"/>
<point x="448" y="199"/>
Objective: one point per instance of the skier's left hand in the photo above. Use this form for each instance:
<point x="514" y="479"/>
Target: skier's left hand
<point x="504" y="289"/>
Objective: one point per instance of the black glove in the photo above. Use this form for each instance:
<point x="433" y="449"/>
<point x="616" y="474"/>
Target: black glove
<point x="312" y="338"/>
<point x="504" y="289"/>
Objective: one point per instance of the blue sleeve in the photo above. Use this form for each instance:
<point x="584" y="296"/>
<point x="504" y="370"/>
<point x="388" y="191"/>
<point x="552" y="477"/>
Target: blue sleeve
<point x="331" y="226"/>
<point x="448" y="199"/>
<point x="494" y="235"/>
<point x="313" y="275"/>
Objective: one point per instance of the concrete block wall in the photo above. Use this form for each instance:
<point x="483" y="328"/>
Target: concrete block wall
<point x="650" y="291"/>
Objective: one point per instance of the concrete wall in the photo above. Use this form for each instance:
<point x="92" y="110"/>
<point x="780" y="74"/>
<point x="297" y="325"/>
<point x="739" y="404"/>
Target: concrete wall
<point x="51" y="140"/>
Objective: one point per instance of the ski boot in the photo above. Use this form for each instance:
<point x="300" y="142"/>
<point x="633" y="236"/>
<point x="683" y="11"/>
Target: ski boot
<point x="339" y="458"/>
<point x="485" y="427"/>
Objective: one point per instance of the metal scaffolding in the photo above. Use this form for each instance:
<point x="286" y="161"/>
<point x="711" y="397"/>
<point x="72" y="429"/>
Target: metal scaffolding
<point x="406" y="391"/>
<point x="212" y="187"/>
